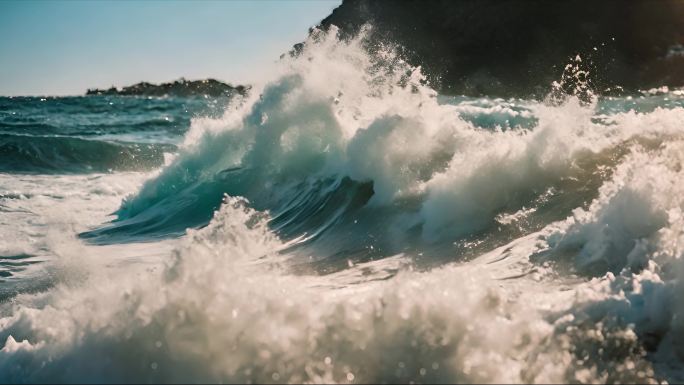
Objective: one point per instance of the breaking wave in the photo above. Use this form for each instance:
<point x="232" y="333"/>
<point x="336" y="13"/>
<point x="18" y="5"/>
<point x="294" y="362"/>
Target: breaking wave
<point x="347" y="225"/>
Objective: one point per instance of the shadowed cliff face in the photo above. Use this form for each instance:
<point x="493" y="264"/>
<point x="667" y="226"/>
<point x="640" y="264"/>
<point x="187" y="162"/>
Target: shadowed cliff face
<point x="520" y="47"/>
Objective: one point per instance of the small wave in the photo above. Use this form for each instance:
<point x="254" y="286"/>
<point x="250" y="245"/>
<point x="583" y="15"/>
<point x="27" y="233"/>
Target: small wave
<point x="36" y="154"/>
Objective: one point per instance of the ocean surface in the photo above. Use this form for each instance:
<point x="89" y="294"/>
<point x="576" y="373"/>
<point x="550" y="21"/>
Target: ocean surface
<point x="343" y="223"/>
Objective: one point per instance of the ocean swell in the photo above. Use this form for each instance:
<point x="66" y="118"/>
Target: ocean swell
<point x="39" y="154"/>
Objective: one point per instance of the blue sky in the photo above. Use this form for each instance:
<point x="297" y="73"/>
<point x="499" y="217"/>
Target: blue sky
<point x="64" y="47"/>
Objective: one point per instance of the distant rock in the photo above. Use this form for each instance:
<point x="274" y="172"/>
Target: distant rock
<point x="181" y="87"/>
<point x="520" y="47"/>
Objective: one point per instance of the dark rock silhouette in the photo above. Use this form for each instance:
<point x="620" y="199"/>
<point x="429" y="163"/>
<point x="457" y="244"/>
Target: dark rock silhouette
<point x="520" y="47"/>
<point x="181" y="87"/>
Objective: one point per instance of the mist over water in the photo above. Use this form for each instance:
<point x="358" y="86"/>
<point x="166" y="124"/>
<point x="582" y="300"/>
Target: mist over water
<point x="343" y="223"/>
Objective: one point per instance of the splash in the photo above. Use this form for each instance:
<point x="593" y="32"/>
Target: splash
<point x="349" y="225"/>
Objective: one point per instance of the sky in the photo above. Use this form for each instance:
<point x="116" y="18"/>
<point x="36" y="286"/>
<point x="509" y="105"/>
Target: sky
<point x="65" y="47"/>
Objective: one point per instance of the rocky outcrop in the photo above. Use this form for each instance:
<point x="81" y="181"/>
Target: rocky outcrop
<point x="181" y="87"/>
<point x="520" y="47"/>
